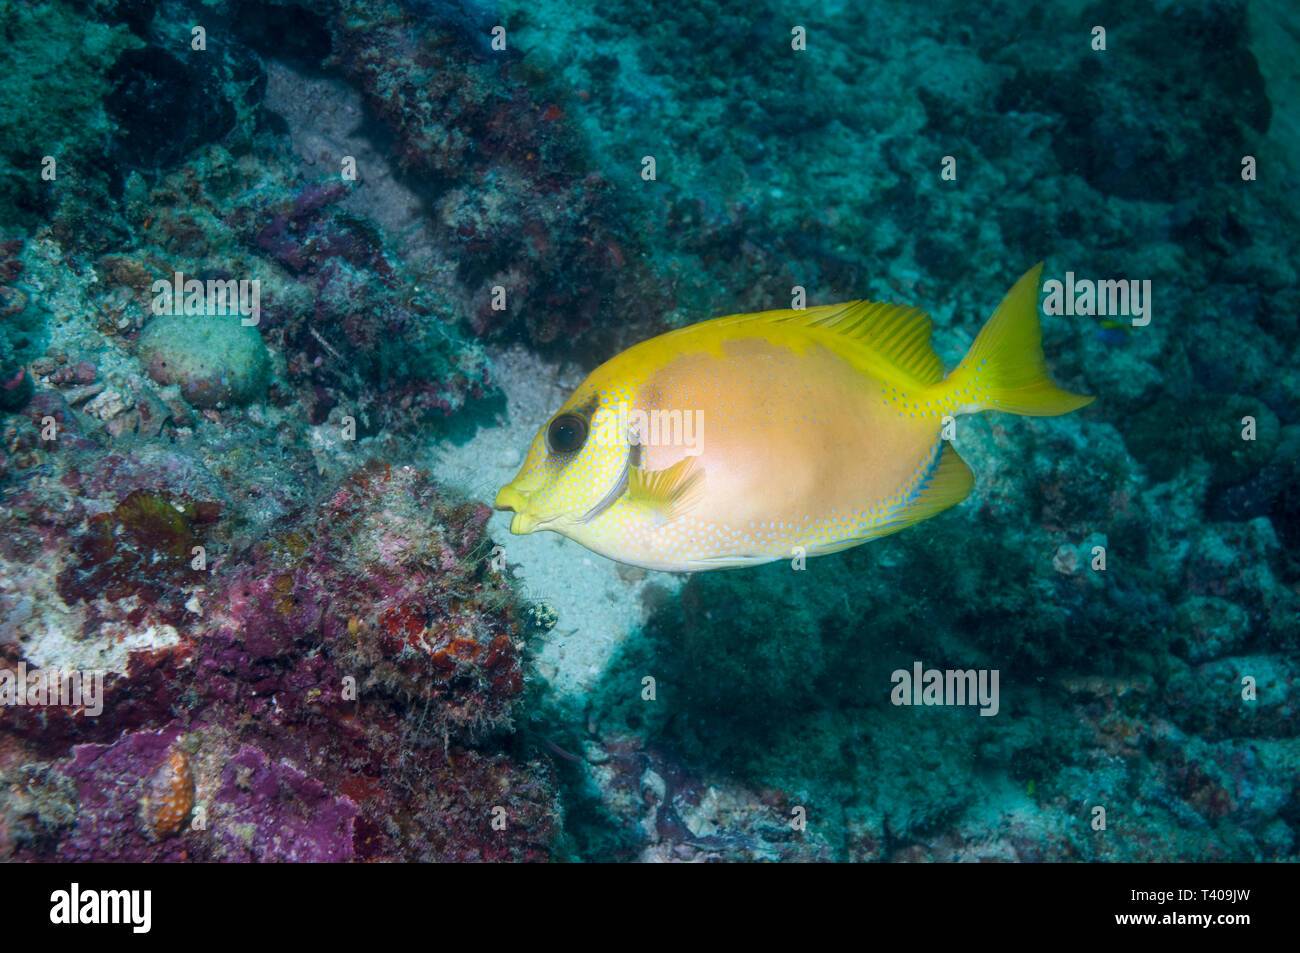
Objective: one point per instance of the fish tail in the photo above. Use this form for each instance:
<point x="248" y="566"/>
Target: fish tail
<point x="1005" y="368"/>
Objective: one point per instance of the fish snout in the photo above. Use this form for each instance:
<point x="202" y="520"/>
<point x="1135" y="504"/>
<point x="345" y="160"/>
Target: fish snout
<point x="508" y="498"/>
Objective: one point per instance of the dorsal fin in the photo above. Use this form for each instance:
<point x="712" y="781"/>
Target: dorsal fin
<point x="897" y="335"/>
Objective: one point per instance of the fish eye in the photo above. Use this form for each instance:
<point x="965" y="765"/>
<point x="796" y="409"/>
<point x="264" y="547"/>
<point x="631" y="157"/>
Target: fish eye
<point x="566" y="434"/>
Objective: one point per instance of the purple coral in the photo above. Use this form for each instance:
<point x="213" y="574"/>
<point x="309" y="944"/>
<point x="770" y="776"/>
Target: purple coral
<point x="362" y="664"/>
<point x="110" y="780"/>
<point x="271" y="811"/>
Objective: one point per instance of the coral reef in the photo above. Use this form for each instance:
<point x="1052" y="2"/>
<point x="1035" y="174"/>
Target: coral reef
<point x="520" y="205"/>
<point x="22" y="326"/>
<point x="344" y="691"/>
<point x="52" y="121"/>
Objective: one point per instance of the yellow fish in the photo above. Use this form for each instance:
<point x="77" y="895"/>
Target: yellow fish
<point x="757" y="437"/>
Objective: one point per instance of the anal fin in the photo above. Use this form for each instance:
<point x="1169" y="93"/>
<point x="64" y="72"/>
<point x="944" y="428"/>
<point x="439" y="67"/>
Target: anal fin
<point x="947" y="484"/>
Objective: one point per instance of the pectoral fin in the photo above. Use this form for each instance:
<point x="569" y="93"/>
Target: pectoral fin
<point x="667" y="494"/>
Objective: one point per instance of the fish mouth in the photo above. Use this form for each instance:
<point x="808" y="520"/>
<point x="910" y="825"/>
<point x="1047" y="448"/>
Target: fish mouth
<point x="523" y="523"/>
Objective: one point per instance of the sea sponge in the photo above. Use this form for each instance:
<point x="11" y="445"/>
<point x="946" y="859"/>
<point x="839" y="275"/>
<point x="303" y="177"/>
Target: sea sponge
<point x="168" y="797"/>
<point x="216" y="360"/>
